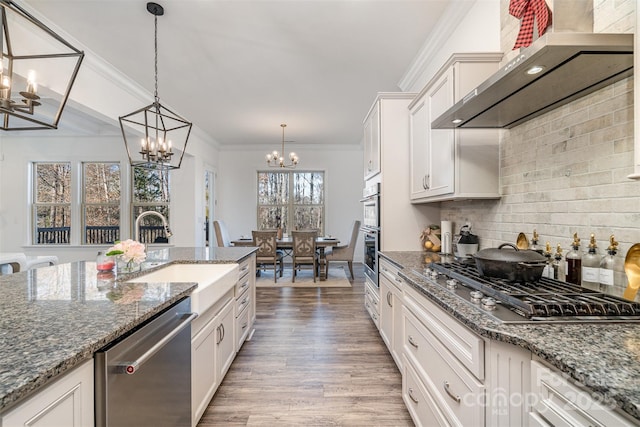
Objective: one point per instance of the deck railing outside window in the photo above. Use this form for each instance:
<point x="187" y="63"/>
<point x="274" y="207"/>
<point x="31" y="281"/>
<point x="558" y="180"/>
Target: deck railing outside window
<point x="97" y="235"/>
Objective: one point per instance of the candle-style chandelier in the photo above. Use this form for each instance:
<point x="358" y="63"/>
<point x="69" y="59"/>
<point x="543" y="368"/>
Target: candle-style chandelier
<point x="276" y="160"/>
<point x="158" y="129"/>
<point x="30" y="49"/>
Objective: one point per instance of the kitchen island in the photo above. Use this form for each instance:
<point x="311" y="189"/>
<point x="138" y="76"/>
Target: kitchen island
<point x="55" y="318"/>
<point x="601" y="358"/>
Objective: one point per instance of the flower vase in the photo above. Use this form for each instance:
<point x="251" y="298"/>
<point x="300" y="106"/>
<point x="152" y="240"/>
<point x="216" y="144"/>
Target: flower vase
<point x="128" y="266"/>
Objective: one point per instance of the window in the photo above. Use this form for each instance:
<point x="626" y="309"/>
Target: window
<point x="101" y="202"/>
<point x="292" y="200"/>
<point x="150" y="193"/>
<point x="52" y="203"/>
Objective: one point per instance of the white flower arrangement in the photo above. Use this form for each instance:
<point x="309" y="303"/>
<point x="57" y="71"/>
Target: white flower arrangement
<point x="128" y="251"/>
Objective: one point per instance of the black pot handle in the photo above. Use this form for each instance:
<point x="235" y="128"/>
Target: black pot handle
<point x="511" y="245"/>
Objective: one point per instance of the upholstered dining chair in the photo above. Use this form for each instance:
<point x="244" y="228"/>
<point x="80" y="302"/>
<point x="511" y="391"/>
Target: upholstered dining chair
<point x="267" y="255"/>
<point x="304" y="251"/>
<point x="344" y="253"/>
<point x="222" y="235"/>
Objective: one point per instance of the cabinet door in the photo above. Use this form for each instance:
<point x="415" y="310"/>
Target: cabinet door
<point x="372" y="142"/>
<point x="66" y="402"/>
<point x="419" y="139"/>
<point x="441" y="148"/>
<point x="386" y="312"/>
<point x="203" y="369"/>
<point x="225" y="340"/>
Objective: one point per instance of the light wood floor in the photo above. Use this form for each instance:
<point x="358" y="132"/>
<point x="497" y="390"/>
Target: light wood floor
<point x="315" y="359"/>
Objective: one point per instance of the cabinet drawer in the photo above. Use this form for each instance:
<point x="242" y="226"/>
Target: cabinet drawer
<point x="243" y="284"/>
<point x="244" y="267"/>
<point x="243" y="302"/>
<point x="466" y="346"/>
<point x="423" y="409"/>
<point x="242" y="327"/>
<point x="390" y="271"/>
<point x="459" y="395"/>
<point x="561" y="403"/>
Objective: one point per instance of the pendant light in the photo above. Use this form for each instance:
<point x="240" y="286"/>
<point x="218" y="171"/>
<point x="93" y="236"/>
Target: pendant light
<point x="37" y="70"/>
<point x="276" y="160"/>
<point x="158" y="131"/>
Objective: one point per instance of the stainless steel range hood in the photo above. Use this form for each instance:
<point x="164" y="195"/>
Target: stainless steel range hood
<point x="574" y="65"/>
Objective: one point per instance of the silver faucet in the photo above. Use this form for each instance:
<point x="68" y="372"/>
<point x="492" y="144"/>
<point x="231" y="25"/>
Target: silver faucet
<point x="167" y="231"/>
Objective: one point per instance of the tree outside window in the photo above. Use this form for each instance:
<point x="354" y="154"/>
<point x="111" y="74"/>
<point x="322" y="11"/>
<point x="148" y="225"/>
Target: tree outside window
<point x="292" y="200"/>
<point x="150" y="193"/>
<point x="52" y="203"/>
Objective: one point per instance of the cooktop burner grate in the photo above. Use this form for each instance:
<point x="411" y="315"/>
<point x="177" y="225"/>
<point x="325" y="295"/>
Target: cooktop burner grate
<point x="545" y="298"/>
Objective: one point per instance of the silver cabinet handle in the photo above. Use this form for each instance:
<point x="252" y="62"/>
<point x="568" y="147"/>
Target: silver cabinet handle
<point x="397" y="279"/>
<point x="221" y="332"/>
<point x="412" y="341"/>
<point x="412" y="396"/>
<point x="451" y="395"/>
<point x="130" y="368"/>
<point x="426" y="182"/>
<point x="389" y="299"/>
<point x="244" y="285"/>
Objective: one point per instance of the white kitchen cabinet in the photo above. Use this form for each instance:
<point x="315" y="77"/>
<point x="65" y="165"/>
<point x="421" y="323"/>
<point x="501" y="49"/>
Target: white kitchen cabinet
<point x="372" y="142"/>
<point x="450" y="164"/>
<point x="245" y="295"/>
<point x="212" y="351"/>
<point x="391" y="285"/>
<point x="558" y="402"/>
<point x="372" y="301"/>
<point x="68" y="401"/>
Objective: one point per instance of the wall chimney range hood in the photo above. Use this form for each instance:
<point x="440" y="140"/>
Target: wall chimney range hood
<point x="569" y="65"/>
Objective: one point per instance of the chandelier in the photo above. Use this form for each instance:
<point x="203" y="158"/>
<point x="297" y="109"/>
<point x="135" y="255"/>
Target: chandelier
<point x="37" y="70"/>
<point x="158" y="129"/>
<point x="276" y="160"/>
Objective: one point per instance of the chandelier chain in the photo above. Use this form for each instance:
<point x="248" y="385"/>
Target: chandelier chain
<point x="155" y="47"/>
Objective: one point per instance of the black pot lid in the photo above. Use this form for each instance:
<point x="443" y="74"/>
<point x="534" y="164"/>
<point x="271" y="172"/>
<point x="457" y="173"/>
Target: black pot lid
<point x="509" y="253"/>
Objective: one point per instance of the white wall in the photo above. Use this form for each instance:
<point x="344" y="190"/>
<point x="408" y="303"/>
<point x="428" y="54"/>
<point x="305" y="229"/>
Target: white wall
<point x="237" y="187"/>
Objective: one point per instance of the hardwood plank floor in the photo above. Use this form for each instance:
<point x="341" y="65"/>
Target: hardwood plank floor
<point x="315" y="359"/>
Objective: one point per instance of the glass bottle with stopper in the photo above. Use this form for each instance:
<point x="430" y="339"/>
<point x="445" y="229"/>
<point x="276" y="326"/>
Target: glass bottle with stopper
<point x="548" y="270"/>
<point x="608" y="263"/>
<point x="557" y="265"/>
<point x="534" y="243"/>
<point x="574" y="262"/>
<point x="591" y="264"/>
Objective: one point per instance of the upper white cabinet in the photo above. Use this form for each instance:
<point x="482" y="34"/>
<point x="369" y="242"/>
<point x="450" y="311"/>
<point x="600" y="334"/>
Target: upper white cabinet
<point x="450" y="164"/>
<point x="372" y="142"/>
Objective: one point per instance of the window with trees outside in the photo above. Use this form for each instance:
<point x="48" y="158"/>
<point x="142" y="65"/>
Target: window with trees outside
<point x="101" y="202"/>
<point x="293" y="200"/>
<point x="52" y="203"/>
<point x="150" y="193"/>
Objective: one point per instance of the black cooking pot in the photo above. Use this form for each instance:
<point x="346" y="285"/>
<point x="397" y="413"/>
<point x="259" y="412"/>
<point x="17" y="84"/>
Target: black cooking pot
<point x="511" y="263"/>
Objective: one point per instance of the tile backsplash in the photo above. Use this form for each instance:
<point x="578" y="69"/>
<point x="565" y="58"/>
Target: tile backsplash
<point x="566" y="171"/>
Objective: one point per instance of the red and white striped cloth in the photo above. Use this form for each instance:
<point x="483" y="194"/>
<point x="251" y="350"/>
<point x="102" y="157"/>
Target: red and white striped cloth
<point x="528" y="11"/>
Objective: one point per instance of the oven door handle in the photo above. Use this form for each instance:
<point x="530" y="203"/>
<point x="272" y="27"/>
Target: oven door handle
<point x="131" y="368"/>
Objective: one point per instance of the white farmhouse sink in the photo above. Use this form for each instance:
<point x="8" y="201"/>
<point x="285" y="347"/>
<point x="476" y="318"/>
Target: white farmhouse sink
<point x="214" y="280"/>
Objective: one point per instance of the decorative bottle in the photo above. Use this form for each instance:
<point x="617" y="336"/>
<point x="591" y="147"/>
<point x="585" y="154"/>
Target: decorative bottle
<point x="591" y="264"/>
<point x="548" y="271"/>
<point x="534" y="243"/>
<point x="608" y="262"/>
<point x="574" y="262"/>
<point x="558" y="265"/>
<point x="104" y="263"/>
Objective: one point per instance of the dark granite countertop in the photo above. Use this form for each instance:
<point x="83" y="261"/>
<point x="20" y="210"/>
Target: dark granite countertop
<point x="54" y="318"/>
<point x="603" y="357"/>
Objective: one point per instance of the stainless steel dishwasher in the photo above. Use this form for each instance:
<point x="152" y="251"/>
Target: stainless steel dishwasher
<point x="144" y="379"/>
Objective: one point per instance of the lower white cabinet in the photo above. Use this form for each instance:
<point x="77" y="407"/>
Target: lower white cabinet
<point x="391" y="285"/>
<point x="372" y="301"/>
<point x="558" y="402"/>
<point x="68" y="401"/>
<point x="212" y="351"/>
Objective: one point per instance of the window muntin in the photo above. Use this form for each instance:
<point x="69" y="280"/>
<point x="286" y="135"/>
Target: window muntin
<point x="293" y="200"/>
<point x="101" y="202"/>
<point x="52" y="203"/>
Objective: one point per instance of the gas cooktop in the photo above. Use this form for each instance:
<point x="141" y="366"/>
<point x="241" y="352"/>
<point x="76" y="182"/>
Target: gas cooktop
<point x="546" y="300"/>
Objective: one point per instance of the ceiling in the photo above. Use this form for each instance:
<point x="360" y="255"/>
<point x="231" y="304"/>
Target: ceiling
<point x="239" y="68"/>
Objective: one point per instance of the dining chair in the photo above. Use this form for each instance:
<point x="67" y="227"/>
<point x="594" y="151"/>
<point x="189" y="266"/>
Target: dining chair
<point x="345" y="252"/>
<point x="222" y="235"/>
<point x="304" y="251"/>
<point x="267" y="254"/>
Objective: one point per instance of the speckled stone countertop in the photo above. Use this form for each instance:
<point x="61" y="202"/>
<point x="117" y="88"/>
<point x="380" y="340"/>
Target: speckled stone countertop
<point x="54" y="318"/>
<point x="604" y="357"/>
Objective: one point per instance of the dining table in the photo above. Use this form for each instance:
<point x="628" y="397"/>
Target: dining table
<point x="286" y="245"/>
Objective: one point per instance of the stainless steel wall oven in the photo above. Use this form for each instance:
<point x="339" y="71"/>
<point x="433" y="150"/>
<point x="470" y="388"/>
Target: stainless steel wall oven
<point x="371" y="230"/>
